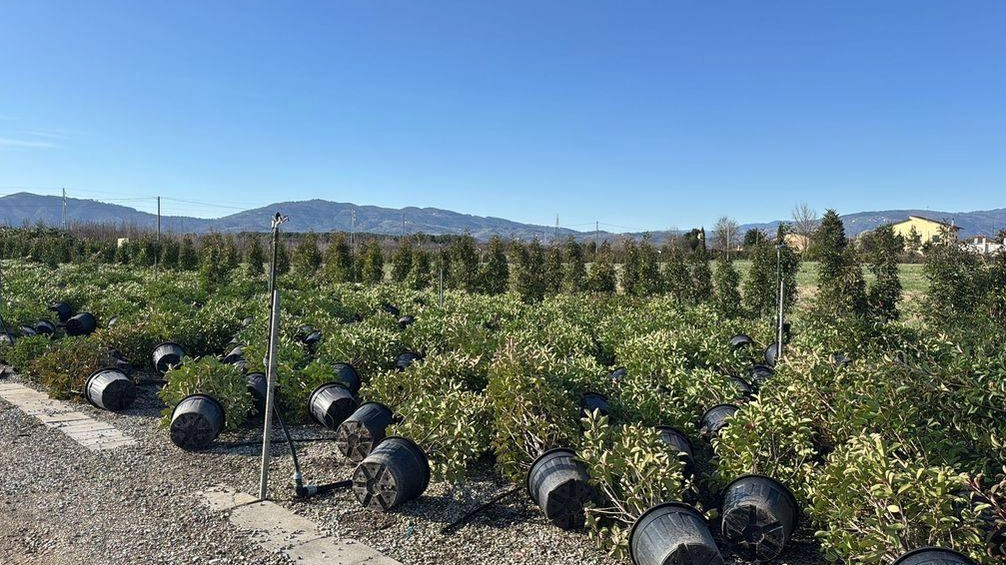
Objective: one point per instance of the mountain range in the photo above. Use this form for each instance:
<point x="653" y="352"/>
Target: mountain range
<point x="324" y="216"/>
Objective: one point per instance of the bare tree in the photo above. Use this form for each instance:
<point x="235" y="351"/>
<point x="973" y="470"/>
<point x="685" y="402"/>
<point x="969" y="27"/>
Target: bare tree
<point x="726" y="234"/>
<point x="804" y="220"/>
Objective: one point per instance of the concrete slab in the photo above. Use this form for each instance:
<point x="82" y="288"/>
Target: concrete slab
<point x="341" y="552"/>
<point x="222" y="498"/>
<point x="85" y="430"/>
<point x="276" y="527"/>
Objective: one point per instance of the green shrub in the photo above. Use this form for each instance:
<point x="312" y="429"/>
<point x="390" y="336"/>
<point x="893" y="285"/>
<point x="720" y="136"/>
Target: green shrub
<point x="207" y="375"/>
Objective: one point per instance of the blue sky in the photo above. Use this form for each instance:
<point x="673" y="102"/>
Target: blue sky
<point x="642" y="115"/>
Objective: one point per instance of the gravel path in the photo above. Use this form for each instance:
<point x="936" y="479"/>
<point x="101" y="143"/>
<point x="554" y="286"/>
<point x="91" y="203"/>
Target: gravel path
<point x="62" y="504"/>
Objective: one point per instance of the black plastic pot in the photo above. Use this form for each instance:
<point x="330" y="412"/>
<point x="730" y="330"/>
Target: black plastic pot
<point x="744" y="389"/>
<point x="618" y="375"/>
<point x="196" y="421"/>
<point x="257" y="387"/>
<point x="81" y="324"/>
<point x="403" y="361"/>
<point x="112" y="321"/>
<point x="63" y="311"/>
<point x="840" y="359"/>
<point x="396" y="471"/>
<point x="759" y="517"/>
<point x="934" y="556"/>
<point x="559" y="484"/>
<point x="110" y="389"/>
<point x="348" y="375"/>
<point x="715" y="419"/>
<point x="6" y="339"/>
<point x="406" y="321"/>
<point x="772" y="354"/>
<point x="235" y="355"/>
<point x="44" y="327"/>
<point x="167" y="354"/>
<point x="740" y="340"/>
<point x="311" y="339"/>
<point x="680" y="443"/>
<point x="590" y="401"/>
<point x="362" y="430"/>
<point x="672" y="533"/>
<point x="27" y="331"/>
<point x="760" y="374"/>
<point x="391" y="309"/>
<point x="330" y="404"/>
<point x="787" y="332"/>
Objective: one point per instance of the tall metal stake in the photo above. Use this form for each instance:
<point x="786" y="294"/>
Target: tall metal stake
<point x="778" y="274"/>
<point x="271" y="362"/>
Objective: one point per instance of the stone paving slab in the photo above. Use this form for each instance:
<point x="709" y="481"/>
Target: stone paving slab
<point x="278" y="529"/>
<point x="81" y="428"/>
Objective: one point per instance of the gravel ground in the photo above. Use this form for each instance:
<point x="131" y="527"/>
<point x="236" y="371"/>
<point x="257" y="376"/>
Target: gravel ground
<point x="62" y="504"/>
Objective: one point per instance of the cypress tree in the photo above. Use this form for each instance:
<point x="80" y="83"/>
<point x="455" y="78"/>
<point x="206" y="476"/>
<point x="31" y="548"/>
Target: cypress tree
<point x="574" y="276"/>
<point x="339" y="259"/>
<point x="401" y="261"/>
<point x="553" y="270"/>
<point x="677" y="277"/>
<point x="464" y="264"/>
<point x="419" y="272"/>
<point x="527" y="275"/>
<point x="306" y="256"/>
<point x="841" y="288"/>
<point x="701" y="288"/>
<point x="188" y="260"/>
<point x="255" y="257"/>
<point x="494" y="274"/>
<point x="727" y="280"/>
<point x="372" y="269"/>
<point x="885" y="292"/>
<point x="603" y="277"/>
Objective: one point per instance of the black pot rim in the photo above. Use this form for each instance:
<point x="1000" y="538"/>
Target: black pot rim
<point x="749" y="340"/>
<point x="163" y="343"/>
<point x="381" y="404"/>
<point x="662" y="427"/>
<point x="527" y="477"/>
<point x="219" y="404"/>
<point x="87" y="383"/>
<point x="789" y="493"/>
<point x="674" y="504"/>
<point x="933" y="548"/>
<point x="593" y="393"/>
<point x="711" y="408"/>
<point x="415" y="447"/>
<point x="310" y="399"/>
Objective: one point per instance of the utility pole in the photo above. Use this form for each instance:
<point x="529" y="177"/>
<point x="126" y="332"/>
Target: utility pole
<point x="64" y="209"/>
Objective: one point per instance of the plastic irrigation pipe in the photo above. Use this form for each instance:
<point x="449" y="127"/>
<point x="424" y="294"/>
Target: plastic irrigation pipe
<point x="455" y="525"/>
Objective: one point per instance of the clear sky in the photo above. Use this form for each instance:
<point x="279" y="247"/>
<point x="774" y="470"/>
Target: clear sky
<point x="642" y="115"/>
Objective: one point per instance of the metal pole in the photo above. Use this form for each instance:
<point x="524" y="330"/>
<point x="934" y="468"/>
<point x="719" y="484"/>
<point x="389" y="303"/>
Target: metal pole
<point x="158" y="219"/>
<point x="597" y="229"/>
<point x="64" y="209"/>
<point x="269" y="397"/>
<point x="778" y="271"/>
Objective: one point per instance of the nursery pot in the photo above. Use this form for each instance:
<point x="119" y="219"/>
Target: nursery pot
<point x="112" y="321"/>
<point x="590" y="401"/>
<point x="406" y="321"/>
<point x="618" y="375"/>
<point x="840" y="359"/>
<point x="27" y="331"/>
<point x="403" y="361"/>
<point x="558" y="483"/>
<point x="759" y="517"/>
<point x="44" y="327"/>
<point x="672" y="533"/>
<point x="361" y="431"/>
<point x="110" y="389"/>
<point x="391" y="309"/>
<point x="347" y="374"/>
<point x="772" y="354"/>
<point x="312" y="339"/>
<point x="679" y="442"/>
<point x="237" y="354"/>
<point x="167" y="354"/>
<point x="740" y="340"/>
<point x="933" y="556"/>
<point x="196" y="421"/>
<point x="63" y="310"/>
<point x="760" y="374"/>
<point x="81" y="324"/>
<point x="7" y="339"/>
<point x="257" y="387"/>
<point x="396" y="471"/>
<point x="715" y="419"/>
<point x="330" y="404"/>
<point x="743" y="388"/>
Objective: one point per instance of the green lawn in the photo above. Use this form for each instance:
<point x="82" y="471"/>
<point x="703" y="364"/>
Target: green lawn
<point x="912" y="279"/>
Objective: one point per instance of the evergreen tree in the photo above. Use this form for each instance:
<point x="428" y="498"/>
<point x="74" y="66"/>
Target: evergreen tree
<point x="885" y="292"/>
<point x="188" y="259"/>
<point x="419" y="272"/>
<point x="603" y="277"/>
<point x="648" y="279"/>
<point x="630" y="268"/>
<point x="701" y="288"/>
<point x="339" y="259"/>
<point x="255" y="257"/>
<point x="213" y="273"/>
<point x="122" y="253"/>
<point x="169" y="254"/>
<point x="841" y="288"/>
<point x="527" y="275"/>
<point x="306" y="256"/>
<point x="553" y="270"/>
<point x="282" y="258"/>
<point x="372" y="269"/>
<point x="464" y="264"/>
<point x="727" y="279"/>
<point x="574" y="276"/>
<point x="677" y="277"/>
<point x="494" y="274"/>
<point x="231" y="253"/>
<point x="401" y="261"/>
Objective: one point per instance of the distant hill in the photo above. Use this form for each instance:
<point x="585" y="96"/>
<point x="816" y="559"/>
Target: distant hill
<point x="324" y="216"/>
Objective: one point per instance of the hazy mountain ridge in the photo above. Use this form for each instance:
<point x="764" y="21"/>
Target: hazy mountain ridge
<point x="323" y="216"/>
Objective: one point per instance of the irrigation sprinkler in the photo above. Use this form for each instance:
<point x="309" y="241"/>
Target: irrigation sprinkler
<point x="277" y="221"/>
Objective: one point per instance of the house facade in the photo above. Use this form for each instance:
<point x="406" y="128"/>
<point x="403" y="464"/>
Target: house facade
<point x="985" y="245"/>
<point x="928" y="231"/>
